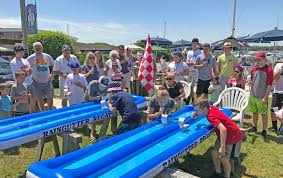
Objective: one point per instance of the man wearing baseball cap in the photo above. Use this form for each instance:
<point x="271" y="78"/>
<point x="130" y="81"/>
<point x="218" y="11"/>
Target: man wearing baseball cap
<point x="62" y="68"/>
<point x="261" y="83"/>
<point x="125" y="104"/>
<point x="225" y="64"/>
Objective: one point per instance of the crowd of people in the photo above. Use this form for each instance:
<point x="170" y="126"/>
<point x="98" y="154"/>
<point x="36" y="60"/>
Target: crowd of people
<point x="96" y="79"/>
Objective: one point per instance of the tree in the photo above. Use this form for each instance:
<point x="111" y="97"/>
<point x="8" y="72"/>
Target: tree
<point x="140" y="43"/>
<point x="52" y="42"/>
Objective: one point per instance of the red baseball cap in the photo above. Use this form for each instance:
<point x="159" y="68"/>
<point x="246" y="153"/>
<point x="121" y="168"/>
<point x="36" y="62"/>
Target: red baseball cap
<point x="260" y="54"/>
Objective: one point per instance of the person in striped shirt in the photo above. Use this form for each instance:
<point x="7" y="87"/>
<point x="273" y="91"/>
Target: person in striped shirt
<point x="117" y="76"/>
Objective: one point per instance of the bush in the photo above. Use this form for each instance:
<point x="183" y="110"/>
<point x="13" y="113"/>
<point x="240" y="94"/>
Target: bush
<point x="52" y="44"/>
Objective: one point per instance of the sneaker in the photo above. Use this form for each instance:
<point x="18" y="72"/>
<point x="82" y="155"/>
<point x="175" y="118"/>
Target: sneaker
<point x="264" y="134"/>
<point x="217" y="175"/>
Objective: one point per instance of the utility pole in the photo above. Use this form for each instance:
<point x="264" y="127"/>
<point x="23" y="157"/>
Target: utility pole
<point x="68" y="32"/>
<point x="234" y="19"/>
<point x="23" y="19"/>
<point x="164" y="30"/>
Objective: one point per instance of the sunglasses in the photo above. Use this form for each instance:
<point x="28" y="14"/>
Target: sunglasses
<point x="169" y="78"/>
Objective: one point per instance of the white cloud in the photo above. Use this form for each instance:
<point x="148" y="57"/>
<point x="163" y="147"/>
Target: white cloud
<point x="110" y="32"/>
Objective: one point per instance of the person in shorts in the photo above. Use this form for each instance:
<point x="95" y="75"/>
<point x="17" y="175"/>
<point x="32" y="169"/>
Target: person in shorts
<point x="225" y="64"/>
<point x="159" y="104"/>
<point x="19" y="64"/>
<point x="228" y="134"/>
<point x="20" y="96"/>
<point x="191" y="61"/>
<point x="62" y="67"/>
<point x="96" y="90"/>
<point x="124" y="103"/>
<point x="206" y="66"/>
<point x="277" y="95"/>
<point x="261" y="83"/>
<point x="42" y="75"/>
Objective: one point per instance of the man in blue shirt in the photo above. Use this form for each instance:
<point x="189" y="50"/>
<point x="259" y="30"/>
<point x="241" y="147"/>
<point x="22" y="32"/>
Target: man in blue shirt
<point x="125" y="104"/>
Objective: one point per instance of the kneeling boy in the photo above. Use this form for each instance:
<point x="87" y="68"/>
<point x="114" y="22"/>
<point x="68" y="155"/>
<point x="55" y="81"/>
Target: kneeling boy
<point x="125" y="104"/>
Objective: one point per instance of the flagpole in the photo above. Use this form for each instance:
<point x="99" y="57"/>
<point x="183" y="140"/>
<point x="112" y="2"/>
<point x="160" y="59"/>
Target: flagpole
<point x="23" y="20"/>
<point x="234" y="19"/>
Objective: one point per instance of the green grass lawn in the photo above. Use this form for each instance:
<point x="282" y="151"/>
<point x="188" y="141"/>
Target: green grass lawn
<point x="259" y="158"/>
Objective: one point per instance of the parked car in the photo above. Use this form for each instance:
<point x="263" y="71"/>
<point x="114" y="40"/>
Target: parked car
<point x="5" y="71"/>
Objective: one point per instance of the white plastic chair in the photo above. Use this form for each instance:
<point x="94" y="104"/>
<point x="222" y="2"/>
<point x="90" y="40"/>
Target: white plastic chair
<point x="187" y="89"/>
<point x="236" y="99"/>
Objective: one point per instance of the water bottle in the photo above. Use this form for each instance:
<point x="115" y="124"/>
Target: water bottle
<point x="164" y="119"/>
<point x="181" y="122"/>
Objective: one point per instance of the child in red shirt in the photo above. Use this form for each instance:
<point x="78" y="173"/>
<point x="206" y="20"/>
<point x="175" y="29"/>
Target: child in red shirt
<point x="228" y="134"/>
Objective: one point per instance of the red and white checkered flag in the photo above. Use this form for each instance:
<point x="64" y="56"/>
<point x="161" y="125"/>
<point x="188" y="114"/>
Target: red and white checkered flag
<point x="146" y="70"/>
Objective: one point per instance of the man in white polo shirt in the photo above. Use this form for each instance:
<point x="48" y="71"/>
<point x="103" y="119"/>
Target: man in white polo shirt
<point x="62" y="68"/>
<point x="191" y="61"/>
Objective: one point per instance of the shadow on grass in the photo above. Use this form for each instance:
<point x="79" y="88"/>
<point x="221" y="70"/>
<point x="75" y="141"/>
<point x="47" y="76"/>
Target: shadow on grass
<point x="270" y="137"/>
<point x="202" y="166"/>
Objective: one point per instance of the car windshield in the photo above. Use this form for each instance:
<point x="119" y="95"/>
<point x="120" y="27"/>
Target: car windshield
<point x="5" y="68"/>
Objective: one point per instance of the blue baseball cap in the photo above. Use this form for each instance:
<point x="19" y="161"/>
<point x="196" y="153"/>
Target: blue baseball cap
<point x="75" y="65"/>
<point x="65" y="46"/>
<point x="176" y="52"/>
<point x="19" y="48"/>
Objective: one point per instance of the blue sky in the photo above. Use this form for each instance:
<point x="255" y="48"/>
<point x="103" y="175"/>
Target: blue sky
<point x="125" y="21"/>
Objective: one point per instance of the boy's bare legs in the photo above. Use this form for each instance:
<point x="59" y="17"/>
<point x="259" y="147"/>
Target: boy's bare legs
<point x="226" y="166"/>
<point x="32" y="105"/>
<point x="255" y="119"/>
<point x="50" y="103"/>
<point x="41" y="105"/>
<point x="216" y="161"/>
<point x="264" y="121"/>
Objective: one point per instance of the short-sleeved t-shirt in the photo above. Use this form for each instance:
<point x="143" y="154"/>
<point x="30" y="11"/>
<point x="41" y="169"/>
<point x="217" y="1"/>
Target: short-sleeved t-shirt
<point x="124" y="66"/>
<point x="213" y="97"/>
<point x="125" y="104"/>
<point x="153" y="103"/>
<point x="94" y="90"/>
<point x="192" y="57"/>
<point x="175" y="90"/>
<point x="278" y="88"/>
<point x="6" y="104"/>
<point x="95" y="74"/>
<point x="109" y="65"/>
<point x="22" y="106"/>
<point x="18" y="65"/>
<point x="176" y="68"/>
<point x="261" y="78"/>
<point x="63" y="65"/>
<point x="227" y="63"/>
<point x="40" y="67"/>
<point x="205" y="73"/>
<point x="215" y="117"/>
<point x="77" y="93"/>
